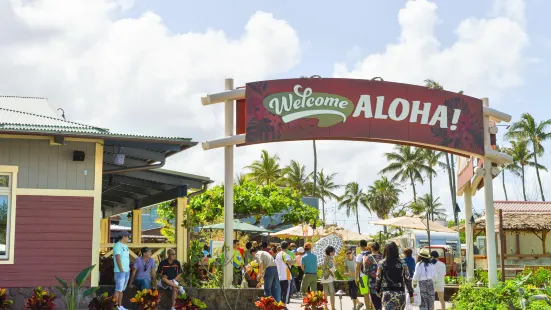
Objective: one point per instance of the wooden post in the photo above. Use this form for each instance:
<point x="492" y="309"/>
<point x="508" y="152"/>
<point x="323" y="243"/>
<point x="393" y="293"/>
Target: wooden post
<point x="105" y="230"/>
<point x="517" y="243"/>
<point x="502" y="242"/>
<point x="137" y="226"/>
<point x="180" y="230"/>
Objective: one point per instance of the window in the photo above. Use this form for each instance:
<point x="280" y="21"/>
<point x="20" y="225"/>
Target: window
<point x="8" y="176"/>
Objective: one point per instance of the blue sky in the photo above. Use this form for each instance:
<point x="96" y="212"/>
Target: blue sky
<point x="141" y="66"/>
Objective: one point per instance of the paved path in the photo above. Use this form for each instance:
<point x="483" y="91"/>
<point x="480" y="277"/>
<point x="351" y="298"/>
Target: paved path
<point x="347" y="304"/>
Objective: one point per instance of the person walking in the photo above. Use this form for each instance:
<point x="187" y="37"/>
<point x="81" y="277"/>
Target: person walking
<point x="362" y="279"/>
<point x="267" y="270"/>
<point x="298" y="260"/>
<point x="310" y="269"/>
<point x="328" y="269"/>
<point x="439" y="279"/>
<point x="143" y="271"/>
<point x="283" y="263"/>
<point x="121" y="257"/>
<point x="393" y="280"/>
<point x="371" y="266"/>
<point x="424" y="277"/>
<point x="350" y="273"/>
<point x="410" y="261"/>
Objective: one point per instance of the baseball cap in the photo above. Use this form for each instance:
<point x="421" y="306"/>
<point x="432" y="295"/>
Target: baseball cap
<point x="300" y="250"/>
<point x="124" y="234"/>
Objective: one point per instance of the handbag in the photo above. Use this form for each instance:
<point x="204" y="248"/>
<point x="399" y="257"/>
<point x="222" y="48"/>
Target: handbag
<point x="416" y="295"/>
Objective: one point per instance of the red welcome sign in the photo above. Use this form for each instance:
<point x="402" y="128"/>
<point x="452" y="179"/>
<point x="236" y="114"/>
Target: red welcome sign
<point x="349" y="109"/>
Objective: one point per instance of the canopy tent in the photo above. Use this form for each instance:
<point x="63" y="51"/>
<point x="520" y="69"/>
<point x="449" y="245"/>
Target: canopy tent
<point x="345" y="234"/>
<point x="239" y="226"/>
<point x="295" y="232"/>
<point x="307" y="231"/>
<point x="413" y="222"/>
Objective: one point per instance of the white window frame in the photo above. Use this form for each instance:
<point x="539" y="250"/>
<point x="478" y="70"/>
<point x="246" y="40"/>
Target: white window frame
<point x="10" y="191"/>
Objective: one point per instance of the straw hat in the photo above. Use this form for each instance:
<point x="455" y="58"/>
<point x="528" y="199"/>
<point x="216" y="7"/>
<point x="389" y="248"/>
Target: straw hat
<point x="424" y="253"/>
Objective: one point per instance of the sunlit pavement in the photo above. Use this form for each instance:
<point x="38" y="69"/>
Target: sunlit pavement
<point x="347" y="304"/>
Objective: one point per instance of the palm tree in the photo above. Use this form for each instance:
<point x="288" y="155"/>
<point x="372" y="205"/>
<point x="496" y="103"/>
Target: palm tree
<point x="325" y="189"/>
<point x="432" y="159"/>
<point x="512" y="167"/>
<point x="240" y="178"/>
<point x="432" y="207"/>
<point x="352" y="199"/>
<point x="536" y="134"/>
<point x="417" y="208"/>
<point x="315" y="170"/>
<point x="383" y="197"/>
<point x="266" y="170"/>
<point x="295" y="176"/>
<point x="522" y="158"/>
<point x="407" y="164"/>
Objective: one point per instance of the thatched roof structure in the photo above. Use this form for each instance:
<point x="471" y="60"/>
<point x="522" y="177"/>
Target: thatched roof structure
<point x="518" y="221"/>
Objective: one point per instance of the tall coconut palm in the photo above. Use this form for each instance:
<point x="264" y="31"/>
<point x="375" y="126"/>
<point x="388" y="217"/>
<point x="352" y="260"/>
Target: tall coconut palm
<point x="407" y="164"/>
<point x="266" y="170"/>
<point x="536" y="134"/>
<point x="325" y="189"/>
<point x="432" y="207"/>
<point x="296" y="177"/>
<point x="522" y="158"/>
<point x="315" y="169"/>
<point x="507" y="167"/>
<point x="240" y="178"/>
<point x="383" y="196"/>
<point x="432" y="159"/>
<point x="353" y="198"/>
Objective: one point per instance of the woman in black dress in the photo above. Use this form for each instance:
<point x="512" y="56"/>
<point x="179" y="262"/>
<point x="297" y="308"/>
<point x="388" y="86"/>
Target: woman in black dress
<point x="393" y="279"/>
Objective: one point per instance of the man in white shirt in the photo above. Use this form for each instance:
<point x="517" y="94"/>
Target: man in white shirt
<point x="439" y="280"/>
<point x="283" y="262"/>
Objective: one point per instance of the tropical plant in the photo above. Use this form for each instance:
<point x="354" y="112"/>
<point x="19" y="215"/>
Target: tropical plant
<point x="147" y="299"/>
<point x="418" y="208"/>
<point x="507" y="167"/>
<point x="407" y="164"/>
<point x="72" y="295"/>
<point x="325" y="189"/>
<point x="295" y="176"/>
<point x="269" y="303"/>
<point x="314" y="300"/>
<point x="265" y="171"/>
<point x="432" y="160"/>
<point x="240" y="178"/>
<point x="352" y="199"/>
<point x="383" y="197"/>
<point x="522" y="158"/>
<point x="102" y="302"/>
<point x="536" y="134"/>
<point x="41" y="299"/>
<point x="184" y="302"/>
<point x="5" y="302"/>
<point x="314" y="185"/>
<point x="432" y="207"/>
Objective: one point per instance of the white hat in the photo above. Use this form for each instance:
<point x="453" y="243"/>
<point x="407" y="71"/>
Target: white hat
<point x="300" y="250"/>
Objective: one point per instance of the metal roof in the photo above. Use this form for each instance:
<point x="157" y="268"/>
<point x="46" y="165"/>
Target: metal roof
<point x="36" y="105"/>
<point x="115" y="227"/>
<point x="523" y="206"/>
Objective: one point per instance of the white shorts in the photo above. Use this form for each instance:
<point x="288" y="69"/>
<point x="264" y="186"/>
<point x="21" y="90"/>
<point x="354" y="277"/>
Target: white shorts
<point x="161" y="284"/>
<point x="439" y="287"/>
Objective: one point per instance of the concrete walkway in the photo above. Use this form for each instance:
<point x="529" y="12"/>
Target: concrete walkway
<point x="347" y="304"/>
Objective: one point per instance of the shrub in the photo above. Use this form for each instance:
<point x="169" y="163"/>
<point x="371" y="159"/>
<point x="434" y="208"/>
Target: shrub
<point x="269" y="303"/>
<point x="183" y="302"/>
<point x="5" y="303"/>
<point x="72" y="294"/>
<point x="314" y="301"/>
<point x="41" y="299"/>
<point x="146" y="299"/>
<point x="539" y="305"/>
<point x="539" y="278"/>
<point x="103" y="302"/>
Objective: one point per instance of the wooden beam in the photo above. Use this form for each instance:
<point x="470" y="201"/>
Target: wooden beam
<point x="180" y="230"/>
<point x="544" y="237"/>
<point x="517" y="243"/>
<point x="137" y="226"/>
<point x="134" y="245"/>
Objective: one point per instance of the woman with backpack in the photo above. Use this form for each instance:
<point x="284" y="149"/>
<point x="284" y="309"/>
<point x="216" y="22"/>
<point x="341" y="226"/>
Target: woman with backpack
<point x="424" y="275"/>
<point x="370" y="266"/>
<point x="393" y="280"/>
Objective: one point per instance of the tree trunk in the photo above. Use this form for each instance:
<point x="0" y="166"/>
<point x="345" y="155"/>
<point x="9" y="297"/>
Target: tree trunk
<point x="323" y="210"/>
<point x="454" y="187"/>
<point x="503" y="180"/>
<point x="523" y="185"/>
<point x="450" y="180"/>
<point x="413" y="187"/>
<point x="430" y="186"/>
<point x="538" y="173"/>
<point x="358" y="220"/>
<point x="316" y="178"/>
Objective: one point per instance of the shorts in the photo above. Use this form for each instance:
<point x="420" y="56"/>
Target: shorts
<point x="439" y="287"/>
<point x="364" y="285"/>
<point x="142" y="284"/>
<point x="329" y="289"/>
<point x="161" y="284"/>
<point x="121" y="281"/>
<point x="352" y="289"/>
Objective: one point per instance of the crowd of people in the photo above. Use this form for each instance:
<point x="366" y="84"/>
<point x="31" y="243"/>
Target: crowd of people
<point x="385" y="279"/>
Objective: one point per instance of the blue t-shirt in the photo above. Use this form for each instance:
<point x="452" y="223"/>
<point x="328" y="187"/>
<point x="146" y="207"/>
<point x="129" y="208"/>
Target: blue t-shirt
<point x="410" y="262"/>
<point x="310" y="263"/>
<point x="121" y="249"/>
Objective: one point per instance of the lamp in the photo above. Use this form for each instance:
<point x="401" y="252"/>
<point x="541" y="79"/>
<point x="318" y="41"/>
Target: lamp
<point x="119" y="157"/>
<point x="471" y="221"/>
<point x="340" y="293"/>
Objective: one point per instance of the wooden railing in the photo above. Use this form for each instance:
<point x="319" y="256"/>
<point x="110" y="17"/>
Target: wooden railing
<point x="157" y="248"/>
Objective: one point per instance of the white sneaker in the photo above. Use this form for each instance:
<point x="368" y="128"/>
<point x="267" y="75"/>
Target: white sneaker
<point x="181" y="290"/>
<point x="122" y="308"/>
<point x="172" y="308"/>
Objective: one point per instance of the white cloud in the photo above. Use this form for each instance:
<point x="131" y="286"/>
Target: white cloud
<point x="136" y="75"/>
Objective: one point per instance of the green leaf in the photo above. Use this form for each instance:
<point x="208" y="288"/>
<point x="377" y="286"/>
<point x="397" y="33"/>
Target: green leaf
<point x="83" y="275"/>
<point x="63" y="283"/>
<point x="61" y="290"/>
<point x="89" y="291"/>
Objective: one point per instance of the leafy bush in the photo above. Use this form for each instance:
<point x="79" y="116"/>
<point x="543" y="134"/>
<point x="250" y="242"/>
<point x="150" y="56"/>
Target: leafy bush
<point x="147" y="299"/>
<point x="314" y="301"/>
<point x="539" y="278"/>
<point x="539" y="305"/>
<point x="184" y="302"/>
<point x="41" y="299"/>
<point x="5" y="303"/>
<point x="269" y="303"/>
<point x="72" y="295"/>
<point x="103" y="302"/>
